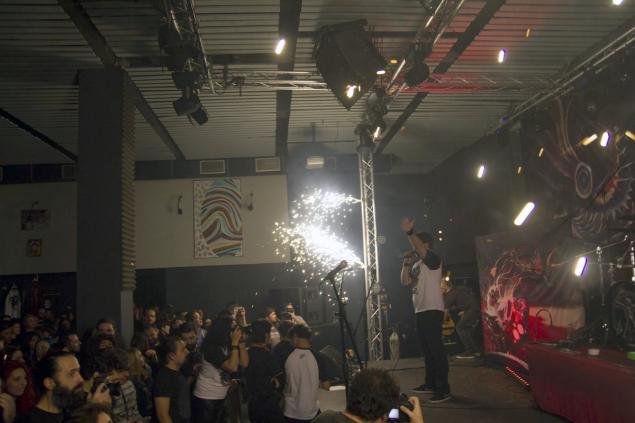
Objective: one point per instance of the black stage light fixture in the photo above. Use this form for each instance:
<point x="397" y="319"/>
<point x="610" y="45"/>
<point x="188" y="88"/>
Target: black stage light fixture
<point x="187" y="80"/>
<point x="347" y="60"/>
<point x="200" y="115"/>
<point x="419" y="71"/>
<point x="186" y="105"/>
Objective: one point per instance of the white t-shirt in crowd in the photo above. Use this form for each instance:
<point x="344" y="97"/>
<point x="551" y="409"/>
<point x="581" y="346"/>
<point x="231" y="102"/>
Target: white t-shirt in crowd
<point x="303" y="382"/>
<point x="426" y="293"/>
<point x="209" y="383"/>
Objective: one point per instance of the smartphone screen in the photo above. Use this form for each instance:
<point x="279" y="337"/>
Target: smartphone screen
<point x="393" y="414"/>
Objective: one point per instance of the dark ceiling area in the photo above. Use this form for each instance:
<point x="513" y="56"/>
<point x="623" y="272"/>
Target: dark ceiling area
<point x="259" y="104"/>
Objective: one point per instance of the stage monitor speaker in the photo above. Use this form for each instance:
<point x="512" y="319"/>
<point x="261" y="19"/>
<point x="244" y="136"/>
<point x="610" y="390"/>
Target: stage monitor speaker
<point x="346" y="57"/>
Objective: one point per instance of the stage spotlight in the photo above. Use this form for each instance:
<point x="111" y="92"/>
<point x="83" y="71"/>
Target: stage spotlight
<point x="588" y="140"/>
<point x="350" y="91"/>
<point x="186" y="105"/>
<point x="481" y="172"/>
<point x="377" y="132"/>
<point x="524" y="213"/>
<point x="617" y="2"/>
<point x="519" y="170"/>
<point x="280" y="46"/>
<point x="580" y="266"/>
<point x="630" y="134"/>
<point x="381" y="72"/>
<point x="541" y="152"/>
<point x="187" y="80"/>
<point x="502" y="55"/>
<point x="200" y="115"/>
<point x="606" y="137"/>
<point x="394" y="61"/>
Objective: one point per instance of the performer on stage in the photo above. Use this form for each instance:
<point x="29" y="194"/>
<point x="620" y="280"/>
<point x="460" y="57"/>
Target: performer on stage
<point x="422" y="270"/>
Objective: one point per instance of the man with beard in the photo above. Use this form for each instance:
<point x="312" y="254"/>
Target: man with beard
<point x="187" y="333"/>
<point x="58" y="378"/>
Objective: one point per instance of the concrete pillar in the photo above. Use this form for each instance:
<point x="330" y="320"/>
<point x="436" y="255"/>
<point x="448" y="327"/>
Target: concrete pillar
<point x="105" y="203"/>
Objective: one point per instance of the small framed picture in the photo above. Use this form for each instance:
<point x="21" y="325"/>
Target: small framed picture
<point x="34" y="248"/>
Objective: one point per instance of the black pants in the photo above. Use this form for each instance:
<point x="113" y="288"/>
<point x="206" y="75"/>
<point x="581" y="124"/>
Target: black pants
<point x="265" y="411"/>
<point x="429" y="329"/>
<point x="208" y="411"/>
<point x="465" y="329"/>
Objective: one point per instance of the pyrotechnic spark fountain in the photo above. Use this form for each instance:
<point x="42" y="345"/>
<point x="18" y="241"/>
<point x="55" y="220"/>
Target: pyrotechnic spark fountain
<point x="313" y="235"/>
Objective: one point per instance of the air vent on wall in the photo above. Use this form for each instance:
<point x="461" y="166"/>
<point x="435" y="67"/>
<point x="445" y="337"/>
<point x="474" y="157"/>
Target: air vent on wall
<point x="68" y="172"/>
<point x="212" y="167"/>
<point x="268" y="164"/>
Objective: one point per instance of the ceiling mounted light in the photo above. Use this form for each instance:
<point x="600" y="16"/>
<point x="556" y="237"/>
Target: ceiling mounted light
<point x="377" y="132"/>
<point x="394" y="61"/>
<point x="481" y="172"/>
<point x="524" y="213"/>
<point x="588" y="140"/>
<point x="519" y="170"/>
<point x="617" y="2"/>
<point x="419" y="71"/>
<point x="606" y="137"/>
<point x="381" y="72"/>
<point x="314" y="162"/>
<point x="200" y="115"/>
<point x="528" y="33"/>
<point x="186" y="105"/>
<point x="502" y="55"/>
<point x="580" y="266"/>
<point x="541" y="151"/>
<point x="630" y="134"/>
<point x="350" y="90"/>
<point x="280" y="46"/>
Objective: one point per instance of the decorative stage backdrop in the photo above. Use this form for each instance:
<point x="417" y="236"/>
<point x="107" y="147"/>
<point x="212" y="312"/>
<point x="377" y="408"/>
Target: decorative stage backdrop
<point x="583" y="195"/>
<point x="528" y="291"/>
<point x="218" y="227"/>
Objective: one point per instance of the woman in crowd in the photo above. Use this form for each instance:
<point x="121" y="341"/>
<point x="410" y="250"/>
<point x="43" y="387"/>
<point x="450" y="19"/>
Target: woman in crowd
<point x="17" y="382"/>
<point x="141" y="376"/>
<point x="42" y="348"/>
<point x="223" y="354"/>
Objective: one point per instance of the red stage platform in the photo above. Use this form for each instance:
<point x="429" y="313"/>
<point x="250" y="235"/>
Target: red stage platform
<point x="582" y="388"/>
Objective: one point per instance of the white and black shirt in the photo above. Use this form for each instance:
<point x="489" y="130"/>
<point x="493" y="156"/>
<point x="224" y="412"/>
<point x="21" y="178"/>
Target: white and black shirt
<point x="303" y="382"/>
<point x="426" y="292"/>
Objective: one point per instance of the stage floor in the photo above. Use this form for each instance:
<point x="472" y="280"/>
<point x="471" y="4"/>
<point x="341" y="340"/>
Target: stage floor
<point x="480" y="394"/>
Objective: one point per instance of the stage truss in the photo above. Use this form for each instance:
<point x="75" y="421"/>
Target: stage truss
<point x="374" y="333"/>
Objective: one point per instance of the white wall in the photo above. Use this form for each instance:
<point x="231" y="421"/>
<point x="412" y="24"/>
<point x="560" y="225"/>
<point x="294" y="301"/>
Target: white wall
<point x="164" y="238"/>
<point x="59" y="241"/>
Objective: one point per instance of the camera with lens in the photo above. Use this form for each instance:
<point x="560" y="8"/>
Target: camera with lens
<point x="113" y="388"/>
<point x="396" y="415"/>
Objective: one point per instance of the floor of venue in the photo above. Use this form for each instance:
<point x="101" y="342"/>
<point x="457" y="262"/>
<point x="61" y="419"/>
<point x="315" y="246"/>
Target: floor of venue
<point x="480" y="394"/>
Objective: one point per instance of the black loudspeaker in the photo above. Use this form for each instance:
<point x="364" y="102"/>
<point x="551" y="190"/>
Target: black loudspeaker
<point x="346" y="57"/>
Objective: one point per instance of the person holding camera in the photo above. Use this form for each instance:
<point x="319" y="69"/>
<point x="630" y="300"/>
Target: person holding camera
<point x="373" y="397"/>
<point x="62" y="389"/>
<point x="223" y="354"/>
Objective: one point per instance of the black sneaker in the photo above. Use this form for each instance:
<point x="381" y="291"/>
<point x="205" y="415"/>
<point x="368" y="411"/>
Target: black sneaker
<point x="439" y="398"/>
<point x="423" y="389"/>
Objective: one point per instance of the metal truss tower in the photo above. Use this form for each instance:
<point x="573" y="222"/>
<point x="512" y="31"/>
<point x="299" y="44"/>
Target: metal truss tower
<point x="374" y="334"/>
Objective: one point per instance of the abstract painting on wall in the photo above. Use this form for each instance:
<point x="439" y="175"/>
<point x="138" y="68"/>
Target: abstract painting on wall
<point x="218" y="229"/>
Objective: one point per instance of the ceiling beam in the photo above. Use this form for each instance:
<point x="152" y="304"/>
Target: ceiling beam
<point x="288" y="27"/>
<point x="104" y="52"/>
<point x="37" y="134"/>
<point x="462" y="43"/>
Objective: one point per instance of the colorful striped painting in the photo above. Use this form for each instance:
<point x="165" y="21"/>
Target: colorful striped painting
<point x="218" y="229"/>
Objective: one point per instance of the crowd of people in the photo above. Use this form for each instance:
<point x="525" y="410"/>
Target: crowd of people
<point x="177" y="368"/>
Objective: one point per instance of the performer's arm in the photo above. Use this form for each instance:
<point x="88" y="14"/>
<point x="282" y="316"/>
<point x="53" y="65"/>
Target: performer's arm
<point x="406" y="279"/>
<point x="407" y="225"/>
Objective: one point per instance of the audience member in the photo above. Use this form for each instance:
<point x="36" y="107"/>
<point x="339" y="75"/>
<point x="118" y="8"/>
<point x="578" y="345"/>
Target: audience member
<point x="41" y="349"/>
<point x="91" y="413"/>
<point x="465" y="308"/>
<point x="223" y="353"/>
<point x="124" y="404"/>
<point x="71" y="342"/>
<point x="263" y="376"/>
<point x="371" y="396"/>
<point x="302" y="379"/>
<point x="170" y="389"/>
<point x="150" y="316"/>
<point x="59" y="380"/>
<point x="141" y="376"/>
<point x="272" y="318"/>
<point x="18" y="383"/>
<point x="285" y="346"/>
<point x="295" y="318"/>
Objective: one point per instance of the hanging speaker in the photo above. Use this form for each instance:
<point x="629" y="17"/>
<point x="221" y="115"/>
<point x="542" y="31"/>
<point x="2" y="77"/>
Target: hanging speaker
<point x="347" y="60"/>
